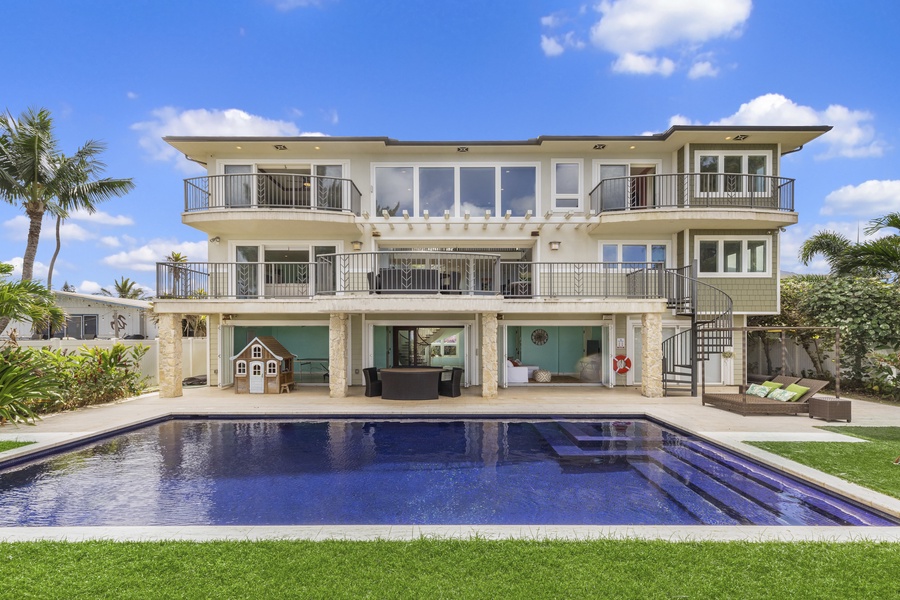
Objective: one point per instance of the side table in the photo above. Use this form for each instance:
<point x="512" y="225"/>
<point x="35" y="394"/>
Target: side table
<point x="829" y="409"/>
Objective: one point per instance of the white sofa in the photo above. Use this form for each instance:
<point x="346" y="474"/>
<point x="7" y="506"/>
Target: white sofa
<point x="521" y="374"/>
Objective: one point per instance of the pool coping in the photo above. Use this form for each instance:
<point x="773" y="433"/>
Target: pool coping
<point x="685" y="533"/>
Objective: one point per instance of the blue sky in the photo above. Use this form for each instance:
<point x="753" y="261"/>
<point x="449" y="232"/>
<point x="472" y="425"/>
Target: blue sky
<point x="130" y="72"/>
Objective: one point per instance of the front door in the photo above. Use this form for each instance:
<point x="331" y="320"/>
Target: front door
<point x="257" y="379"/>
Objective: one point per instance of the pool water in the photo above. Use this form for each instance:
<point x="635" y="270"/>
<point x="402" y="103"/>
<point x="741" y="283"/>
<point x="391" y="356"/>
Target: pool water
<point x="275" y="472"/>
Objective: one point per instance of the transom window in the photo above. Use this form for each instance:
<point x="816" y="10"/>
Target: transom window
<point x="455" y="189"/>
<point x="732" y="172"/>
<point x="733" y="256"/>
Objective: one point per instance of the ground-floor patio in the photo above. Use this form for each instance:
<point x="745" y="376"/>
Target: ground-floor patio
<point x="683" y="412"/>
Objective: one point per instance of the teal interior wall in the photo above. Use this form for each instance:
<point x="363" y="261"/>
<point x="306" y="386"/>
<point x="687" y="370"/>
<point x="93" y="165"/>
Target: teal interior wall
<point x="571" y="348"/>
<point x="546" y="356"/>
<point x="303" y="341"/>
<point x="513" y="335"/>
<point x="380" y="349"/>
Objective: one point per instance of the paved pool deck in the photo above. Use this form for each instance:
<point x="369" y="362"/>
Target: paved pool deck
<point x="684" y="412"/>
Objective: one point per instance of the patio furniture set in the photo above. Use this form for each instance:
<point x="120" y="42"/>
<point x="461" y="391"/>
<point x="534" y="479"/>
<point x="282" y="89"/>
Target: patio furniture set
<point x="413" y="383"/>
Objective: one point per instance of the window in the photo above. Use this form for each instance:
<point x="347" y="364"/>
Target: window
<point x="240" y="368"/>
<point x="256" y="369"/>
<point x="566" y="184"/>
<point x="724" y="172"/>
<point x="456" y="188"/>
<point x="272" y="368"/>
<point x="634" y="252"/>
<point x="733" y="256"/>
<point x="80" y="327"/>
<point x="256" y="352"/>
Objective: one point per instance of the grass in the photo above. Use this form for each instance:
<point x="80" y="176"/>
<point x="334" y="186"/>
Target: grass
<point x="9" y="445"/>
<point x="870" y="464"/>
<point x="430" y="568"/>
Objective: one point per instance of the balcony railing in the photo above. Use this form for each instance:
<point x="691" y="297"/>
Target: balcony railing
<point x="271" y="190"/>
<point x="195" y="280"/>
<point x="693" y="190"/>
<point x="411" y="272"/>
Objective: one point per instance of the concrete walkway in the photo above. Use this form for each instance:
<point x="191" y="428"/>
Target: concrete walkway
<point x="684" y="412"/>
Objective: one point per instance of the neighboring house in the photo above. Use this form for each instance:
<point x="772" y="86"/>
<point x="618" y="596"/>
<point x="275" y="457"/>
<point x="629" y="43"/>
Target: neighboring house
<point x="95" y="317"/>
<point x="563" y="253"/>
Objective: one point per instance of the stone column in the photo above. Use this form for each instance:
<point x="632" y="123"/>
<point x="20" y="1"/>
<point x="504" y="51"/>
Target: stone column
<point x="170" y="375"/>
<point x="651" y="355"/>
<point x="489" y="355"/>
<point x="337" y="355"/>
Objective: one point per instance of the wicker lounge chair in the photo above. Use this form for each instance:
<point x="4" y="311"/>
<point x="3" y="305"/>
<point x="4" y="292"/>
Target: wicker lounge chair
<point x="745" y="404"/>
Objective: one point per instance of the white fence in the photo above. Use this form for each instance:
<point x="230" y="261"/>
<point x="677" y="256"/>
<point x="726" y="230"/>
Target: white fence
<point x="193" y="361"/>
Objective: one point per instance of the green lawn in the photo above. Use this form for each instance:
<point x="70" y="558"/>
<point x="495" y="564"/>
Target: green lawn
<point x="4" y="446"/>
<point x="449" y="569"/>
<point x="870" y="464"/>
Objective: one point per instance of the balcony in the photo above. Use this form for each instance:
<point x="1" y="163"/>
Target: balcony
<point x="693" y="191"/>
<point x="283" y="191"/>
<point x="376" y="274"/>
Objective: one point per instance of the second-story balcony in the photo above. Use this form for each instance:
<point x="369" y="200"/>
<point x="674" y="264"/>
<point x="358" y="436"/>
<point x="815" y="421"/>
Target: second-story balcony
<point x="377" y="274"/>
<point x="285" y="191"/>
<point x="693" y="191"/>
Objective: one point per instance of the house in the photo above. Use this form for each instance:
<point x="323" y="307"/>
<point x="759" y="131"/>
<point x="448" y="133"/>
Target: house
<point x="96" y="317"/>
<point x="264" y="366"/>
<point x="638" y="252"/>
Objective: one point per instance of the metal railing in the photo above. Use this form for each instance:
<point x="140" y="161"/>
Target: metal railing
<point x="271" y="190"/>
<point x="693" y="190"/>
<point x="583" y="280"/>
<point x="194" y="280"/>
<point x="408" y="272"/>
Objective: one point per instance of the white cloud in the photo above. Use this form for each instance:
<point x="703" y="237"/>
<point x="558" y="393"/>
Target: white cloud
<point x="131" y="95"/>
<point x="551" y="21"/>
<point x="100" y="217"/>
<point x="702" y="68"/>
<point x="635" y="29"/>
<point x="288" y="5"/>
<point x="88" y="287"/>
<point x="330" y="115"/>
<point x="550" y="46"/>
<point x="852" y="136"/>
<point x="145" y="257"/>
<point x="641" y="64"/>
<point x="110" y="241"/>
<point x="17" y="230"/>
<point x="39" y="270"/>
<point x="170" y="121"/>
<point x="868" y="199"/>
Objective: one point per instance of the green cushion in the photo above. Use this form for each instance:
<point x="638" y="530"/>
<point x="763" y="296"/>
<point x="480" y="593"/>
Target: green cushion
<point x="771" y="385"/>
<point x="758" y="390"/>
<point x="797" y="389"/>
<point x="783" y="395"/>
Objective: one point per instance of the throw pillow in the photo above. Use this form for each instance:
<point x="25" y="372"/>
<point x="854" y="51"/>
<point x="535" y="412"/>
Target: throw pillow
<point x="797" y="389"/>
<point x="783" y="395"/>
<point x="771" y="385"/>
<point x="758" y="390"/>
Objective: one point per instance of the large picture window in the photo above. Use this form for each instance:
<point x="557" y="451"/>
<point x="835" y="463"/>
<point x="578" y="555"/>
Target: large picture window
<point x="456" y="188"/>
<point x="733" y="256"/>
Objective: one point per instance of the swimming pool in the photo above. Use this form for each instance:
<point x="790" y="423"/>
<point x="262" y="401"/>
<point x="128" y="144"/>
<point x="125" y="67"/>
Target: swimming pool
<point x="409" y="471"/>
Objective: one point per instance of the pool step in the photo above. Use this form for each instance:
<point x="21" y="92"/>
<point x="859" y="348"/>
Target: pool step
<point x="564" y="447"/>
<point x="811" y="496"/>
<point x="735" y="502"/>
<point x="586" y="436"/>
<point x="705" y="511"/>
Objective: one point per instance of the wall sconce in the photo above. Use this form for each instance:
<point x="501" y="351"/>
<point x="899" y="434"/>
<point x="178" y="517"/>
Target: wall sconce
<point x="554" y="245"/>
<point x="357" y="245"/>
<point x="215" y="240"/>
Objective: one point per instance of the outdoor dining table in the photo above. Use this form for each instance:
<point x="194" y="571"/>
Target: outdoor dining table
<point x="410" y="383"/>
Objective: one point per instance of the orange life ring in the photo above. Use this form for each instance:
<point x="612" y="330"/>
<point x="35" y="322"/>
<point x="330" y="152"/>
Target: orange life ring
<point x="621" y="364"/>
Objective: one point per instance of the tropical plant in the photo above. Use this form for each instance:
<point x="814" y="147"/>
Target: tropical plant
<point x="28" y="301"/>
<point x="36" y="176"/>
<point x="28" y="384"/>
<point x="125" y="288"/>
<point x="873" y="258"/>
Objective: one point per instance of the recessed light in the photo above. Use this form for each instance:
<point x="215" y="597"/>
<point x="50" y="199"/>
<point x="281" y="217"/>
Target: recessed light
<point x="317" y="148"/>
<point x="740" y="138"/>
<point x="238" y="147"/>
<point x="632" y="147"/>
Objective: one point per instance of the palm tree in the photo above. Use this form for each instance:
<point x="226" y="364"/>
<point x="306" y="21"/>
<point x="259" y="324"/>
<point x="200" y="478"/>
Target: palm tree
<point x="125" y="288"/>
<point x="873" y="258"/>
<point x="84" y="191"/>
<point x="28" y="301"/>
<point x="36" y="176"/>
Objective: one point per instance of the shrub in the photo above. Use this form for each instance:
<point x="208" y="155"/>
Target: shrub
<point x="100" y="375"/>
<point x="29" y="384"/>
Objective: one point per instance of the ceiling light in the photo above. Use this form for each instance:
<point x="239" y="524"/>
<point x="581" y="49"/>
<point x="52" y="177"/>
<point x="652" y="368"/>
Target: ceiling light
<point x="741" y="137"/>
<point x="632" y="147"/>
<point x="238" y="147"/>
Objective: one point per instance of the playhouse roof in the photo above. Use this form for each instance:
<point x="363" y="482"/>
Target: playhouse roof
<point x="269" y="343"/>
